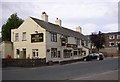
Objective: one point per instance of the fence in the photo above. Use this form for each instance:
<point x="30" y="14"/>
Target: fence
<point x="23" y="62"/>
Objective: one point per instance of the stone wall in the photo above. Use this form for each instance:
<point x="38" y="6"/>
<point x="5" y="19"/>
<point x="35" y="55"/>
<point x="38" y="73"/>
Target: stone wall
<point x="111" y="51"/>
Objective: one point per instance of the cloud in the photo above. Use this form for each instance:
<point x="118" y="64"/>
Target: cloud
<point x="110" y="27"/>
<point x="87" y="29"/>
<point x="103" y="13"/>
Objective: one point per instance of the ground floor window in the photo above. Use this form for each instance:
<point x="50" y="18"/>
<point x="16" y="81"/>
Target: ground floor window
<point x="67" y="53"/>
<point x="17" y="53"/>
<point x="53" y="52"/>
<point x="111" y="43"/>
<point x="80" y="51"/>
<point x="35" y="53"/>
<point x="59" y="54"/>
<point x="75" y="53"/>
<point x="83" y="53"/>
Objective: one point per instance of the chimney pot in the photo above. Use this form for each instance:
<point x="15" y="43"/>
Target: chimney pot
<point x="44" y="16"/>
<point x="79" y="29"/>
<point x="43" y="12"/>
<point x="58" y="21"/>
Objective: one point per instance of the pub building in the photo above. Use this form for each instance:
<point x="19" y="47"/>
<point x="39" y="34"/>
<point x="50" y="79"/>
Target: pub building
<point x="38" y="38"/>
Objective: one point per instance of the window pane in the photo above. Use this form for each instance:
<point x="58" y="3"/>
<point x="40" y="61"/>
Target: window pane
<point x="53" y="52"/>
<point x="24" y="36"/>
<point x="16" y="37"/>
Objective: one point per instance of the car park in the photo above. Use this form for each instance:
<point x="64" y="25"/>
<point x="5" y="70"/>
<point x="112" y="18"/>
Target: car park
<point x="93" y="56"/>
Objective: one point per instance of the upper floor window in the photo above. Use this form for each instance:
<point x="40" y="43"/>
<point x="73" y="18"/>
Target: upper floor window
<point x="118" y="36"/>
<point x="111" y="36"/>
<point x="111" y="44"/>
<point x="86" y="43"/>
<point x="16" y="37"/>
<point x="24" y="36"/>
<point x="78" y="41"/>
<point x="54" y="37"/>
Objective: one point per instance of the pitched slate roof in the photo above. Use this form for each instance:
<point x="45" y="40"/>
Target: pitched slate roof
<point x="58" y="29"/>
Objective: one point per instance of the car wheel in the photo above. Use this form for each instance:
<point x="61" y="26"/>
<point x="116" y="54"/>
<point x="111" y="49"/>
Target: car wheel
<point x="98" y="58"/>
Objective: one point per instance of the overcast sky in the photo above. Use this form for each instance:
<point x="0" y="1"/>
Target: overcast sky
<point x="91" y="15"/>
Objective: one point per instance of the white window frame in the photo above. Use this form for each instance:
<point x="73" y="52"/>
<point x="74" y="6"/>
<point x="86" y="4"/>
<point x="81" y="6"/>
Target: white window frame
<point x="53" y="37"/>
<point x="35" y="53"/>
<point x="54" y="53"/>
<point x="117" y="43"/>
<point x="111" y="36"/>
<point x="78" y="41"/>
<point x="118" y="36"/>
<point x="16" y="37"/>
<point x="24" y="36"/>
<point x="110" y="43"/>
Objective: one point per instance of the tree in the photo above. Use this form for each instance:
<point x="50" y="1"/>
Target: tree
<point x="97" y="40"/>
<point x="13" y="22"/>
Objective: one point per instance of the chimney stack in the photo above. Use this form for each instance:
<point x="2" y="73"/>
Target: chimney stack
<point x="44" y="16"/>
<point x="79" y="29"/>
<point x="58" y="22"/>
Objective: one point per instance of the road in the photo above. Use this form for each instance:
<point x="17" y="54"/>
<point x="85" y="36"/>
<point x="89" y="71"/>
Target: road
<point x="73" y="71"/>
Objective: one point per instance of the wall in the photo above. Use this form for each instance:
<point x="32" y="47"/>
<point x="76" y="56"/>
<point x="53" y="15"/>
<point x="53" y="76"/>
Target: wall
<point x="111" y="51"/>
<point x="29" y="26"/>
<point x="71" y="40"/>
<point x="6" y="48"/>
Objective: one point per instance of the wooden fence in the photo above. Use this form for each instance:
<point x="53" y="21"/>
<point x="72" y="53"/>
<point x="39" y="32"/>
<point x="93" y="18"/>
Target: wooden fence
<point x="23" y="62"/>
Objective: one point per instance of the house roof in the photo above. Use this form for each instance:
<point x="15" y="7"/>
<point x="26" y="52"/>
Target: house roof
<point x="109" y="33"/>
<point x="59" y="29"/>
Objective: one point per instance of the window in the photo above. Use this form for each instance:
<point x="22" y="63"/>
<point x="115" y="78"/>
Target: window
<point x="53" y="37"/>
<point x="86" y="43"/>
<point x="111" y="36"/>
<point x="118" y="36"/>
<point x="67" y="53"/>
<point x="64" y="40"/>
<point x="59" y="54"/>
<point x="78" y="41"/>
<point x="53" y="52"/>
<point x="24" y="36"/>
<point x="82" y="43"/>
<point x="83" y="53"/>
<point x="79" y="51"/>
<point x="35" y="53"/>
<point x="17" y="51"/>
<point x="118" y="42"/>
<point x="111" y="44"/>
<point x="16" y="37"/>
<point x="75" y="53"/>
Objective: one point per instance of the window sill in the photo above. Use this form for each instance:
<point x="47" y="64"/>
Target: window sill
<point x="24" y="40"/>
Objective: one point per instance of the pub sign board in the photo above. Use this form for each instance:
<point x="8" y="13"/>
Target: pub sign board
<point x="37" y="37"/>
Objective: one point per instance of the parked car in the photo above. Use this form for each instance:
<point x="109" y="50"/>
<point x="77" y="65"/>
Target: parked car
<point x="93" y="56"/>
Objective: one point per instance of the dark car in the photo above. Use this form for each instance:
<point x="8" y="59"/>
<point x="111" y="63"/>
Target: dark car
<point x="93" y="56"/>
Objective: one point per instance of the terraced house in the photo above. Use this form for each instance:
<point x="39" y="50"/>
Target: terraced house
<point x="37" y="38"/>
<point x="112" y="39"/>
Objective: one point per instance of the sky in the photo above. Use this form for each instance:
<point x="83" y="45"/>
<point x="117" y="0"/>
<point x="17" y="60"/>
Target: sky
<point x="91" y="15"/>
